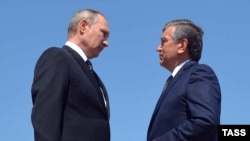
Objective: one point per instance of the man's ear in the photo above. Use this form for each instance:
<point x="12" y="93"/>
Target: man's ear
<point x="182" y="46"/>
<point x="83" y="25"/>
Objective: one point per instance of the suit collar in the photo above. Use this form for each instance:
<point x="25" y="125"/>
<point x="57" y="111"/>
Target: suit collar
<point x="182" y="70"/>
<point x="164" y="94"/>
<point x="178" y="67"/>
<point x="94" y="79"/>
<point x="172" y="83"/>
<point x="83" y="65"/>
<point x="77" y="49"/>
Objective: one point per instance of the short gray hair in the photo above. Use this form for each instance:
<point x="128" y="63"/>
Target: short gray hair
<point x="88" y="14"/>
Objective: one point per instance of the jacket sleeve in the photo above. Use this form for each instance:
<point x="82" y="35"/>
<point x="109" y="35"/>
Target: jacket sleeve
<point x="203" y="98"/>
<point x="49" y="92"/>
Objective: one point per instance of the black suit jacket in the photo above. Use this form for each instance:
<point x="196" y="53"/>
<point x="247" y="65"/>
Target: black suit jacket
<point x="189" y="109"/>
<point x="68" y="104"/>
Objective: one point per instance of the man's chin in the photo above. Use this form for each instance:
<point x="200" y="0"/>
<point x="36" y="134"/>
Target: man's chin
<point x="96" y="55"/>
<point x="161" y="62"/>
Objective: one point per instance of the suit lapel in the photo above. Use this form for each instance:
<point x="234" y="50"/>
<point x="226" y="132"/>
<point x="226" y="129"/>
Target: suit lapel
<point x="165" y="93"/>
<point x="83" y="65"/>
<point x="90" y="75"/>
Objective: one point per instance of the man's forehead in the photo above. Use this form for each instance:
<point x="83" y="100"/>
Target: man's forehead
<point x="168" y="31"/>
<point x="101" y="18"/>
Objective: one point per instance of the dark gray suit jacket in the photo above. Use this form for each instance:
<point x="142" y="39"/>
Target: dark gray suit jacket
<point x="68" y="104"/>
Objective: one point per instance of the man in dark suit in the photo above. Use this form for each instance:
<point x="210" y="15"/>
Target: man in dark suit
<point x="70" y="102"/>
<point x="190" y="104"/>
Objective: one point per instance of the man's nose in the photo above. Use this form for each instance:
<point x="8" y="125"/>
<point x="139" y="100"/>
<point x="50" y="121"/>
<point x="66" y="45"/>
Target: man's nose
<point x="159" y="48"/>
<point x="105" y="43"/>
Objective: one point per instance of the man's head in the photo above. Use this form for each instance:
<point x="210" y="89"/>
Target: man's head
<point x="181" y="40"/>
<point x="89" y="30"/>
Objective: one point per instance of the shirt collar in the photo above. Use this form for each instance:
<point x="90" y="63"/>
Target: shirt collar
<point x="77" y="49"/>
<point x="177" y="68"/>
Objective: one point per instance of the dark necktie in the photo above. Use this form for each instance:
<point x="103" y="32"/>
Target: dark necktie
<point x="169" y="79"/>
<point x="167" y="82"/>
<point x="89" y="65"/>
<point x="97" y="79"/>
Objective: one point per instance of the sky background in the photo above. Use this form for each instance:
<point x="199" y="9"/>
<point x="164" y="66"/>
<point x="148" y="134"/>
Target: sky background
<point x="129" y="67"/>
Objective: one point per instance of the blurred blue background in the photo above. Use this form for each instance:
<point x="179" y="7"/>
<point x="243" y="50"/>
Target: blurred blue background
<point x="130" y="66"/>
